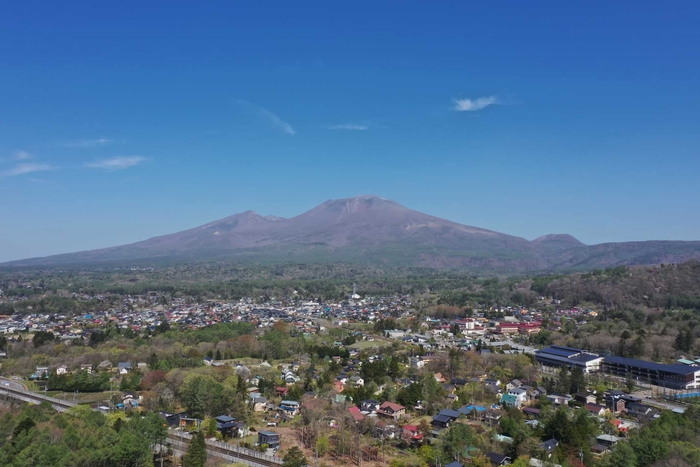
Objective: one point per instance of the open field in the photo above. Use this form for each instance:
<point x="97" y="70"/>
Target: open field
<point x="83" y="398"/>
<point x="363" y="345"/>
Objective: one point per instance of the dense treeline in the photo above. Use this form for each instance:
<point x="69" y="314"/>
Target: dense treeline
<point x="665" y="286"/>
<point x="79" y="381"/>
<point x="38" y="436"/>
<point x="673" y="439"/>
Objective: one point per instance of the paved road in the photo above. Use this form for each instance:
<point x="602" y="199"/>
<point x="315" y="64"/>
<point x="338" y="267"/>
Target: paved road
<point x="8" y="383"/>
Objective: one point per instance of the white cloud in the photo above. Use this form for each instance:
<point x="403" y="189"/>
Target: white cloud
<point x="349" y="126"/>
<point x="471" y="105"/>
<point x="22" y="156"/>
<point x="87" y="143"/>
<point x="270" y="118"/>
<point x="17" y="156"/>
<point x="116" y="163"/>
<point x="26" y="168"/>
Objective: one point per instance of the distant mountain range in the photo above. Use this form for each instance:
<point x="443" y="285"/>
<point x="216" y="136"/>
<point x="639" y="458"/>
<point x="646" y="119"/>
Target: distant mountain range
<point x="370" y="229"/>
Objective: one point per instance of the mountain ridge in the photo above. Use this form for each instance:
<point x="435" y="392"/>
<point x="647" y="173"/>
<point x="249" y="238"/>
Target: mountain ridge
<point x="373" y="229"/>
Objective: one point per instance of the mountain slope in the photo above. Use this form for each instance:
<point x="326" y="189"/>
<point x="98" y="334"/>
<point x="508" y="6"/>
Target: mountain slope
<point x="371" y="229"/>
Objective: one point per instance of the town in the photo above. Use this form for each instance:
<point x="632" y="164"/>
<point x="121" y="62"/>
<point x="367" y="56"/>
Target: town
<point x="364" y="379"/>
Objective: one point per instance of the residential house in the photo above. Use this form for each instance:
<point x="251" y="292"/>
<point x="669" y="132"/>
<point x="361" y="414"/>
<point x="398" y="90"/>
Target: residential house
<point x="441" y="421"/>
<point x="549" y="446"/>
<point x="493" y="389"/>
<point x="515" y="398"/>
<point x="614" y="401"/>
<point x="386" y="430"/>
<point x="357" y="381"/>
<point x="86" y="367"/>
<point x="259" y="404"/>
<point x="62" y="370"/>
<point x="417" y="362"/>
<point x="513" y="384"/>
<point x="105" y="365"/>
<point x="635" y="409"/>
<point x="492" y="417"/>
<point x="472" y="411"/>
<point x="558" y="399"/>
<point x="281" y="391"/>
<point x="270" y="438"/>
<point x="123" y="368"/>
<point x="607" y="440"/>
<point x="585" y="398"/>
<point x="225" y="425"/>
<point x="390" y="409"/>
<point x="42" y="371"/>
<point x="498" y="459"/>
<point x="459" y="382"/>
<point x="369" y="406"/>
<point x="172" y="419"/>
<point x="595" y="409"/>
<point x="412" y="434"/>
<point x="290" y="408"/>
<point x="356" y="414"/>
<point x="452" y="414"/>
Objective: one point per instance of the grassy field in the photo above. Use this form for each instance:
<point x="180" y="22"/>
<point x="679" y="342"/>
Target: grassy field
<point x="84" y="397"/>
<point x="363" y="345"/>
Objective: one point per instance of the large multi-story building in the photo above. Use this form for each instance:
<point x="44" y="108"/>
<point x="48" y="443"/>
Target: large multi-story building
<point x="558" y="356"/>
<point x="677" y="376"/>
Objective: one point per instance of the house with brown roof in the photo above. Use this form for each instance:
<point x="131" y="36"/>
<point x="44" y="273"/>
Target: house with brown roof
<point x="390" y="409"/>
<point x="595" y="409"/>
<point x="356" y="414"/>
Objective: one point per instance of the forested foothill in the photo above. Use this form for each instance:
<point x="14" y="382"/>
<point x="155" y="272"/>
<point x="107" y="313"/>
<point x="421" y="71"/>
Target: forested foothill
<point x="391" y="376"/>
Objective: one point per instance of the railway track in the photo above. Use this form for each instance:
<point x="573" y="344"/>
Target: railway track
<point x="228" y="452"/>
<point x="179" y="440"/>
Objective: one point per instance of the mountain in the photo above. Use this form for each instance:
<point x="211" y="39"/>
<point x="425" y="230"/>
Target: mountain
<point x="370" y="229"/>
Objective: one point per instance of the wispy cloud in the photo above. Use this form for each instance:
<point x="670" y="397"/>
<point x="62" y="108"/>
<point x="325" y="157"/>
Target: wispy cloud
<point x="17" y="156"/>
<point x="87" y="143"/>
<point x="270" y="118"/>
<point x="349" y="126"/>
<point x="116" y="163"/>
<point x="26" y="168"/>
<point x="471" y="105"/>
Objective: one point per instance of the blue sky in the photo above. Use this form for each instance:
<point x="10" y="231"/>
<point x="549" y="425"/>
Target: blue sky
<point x="124" y="120"/>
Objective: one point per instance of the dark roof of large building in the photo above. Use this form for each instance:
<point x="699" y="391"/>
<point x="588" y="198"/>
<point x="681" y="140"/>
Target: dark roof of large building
<point x="450" y="413"/>
<point x="442" y="419"/>
<point x="568" y="353"/>
<point x="678" y="369"/>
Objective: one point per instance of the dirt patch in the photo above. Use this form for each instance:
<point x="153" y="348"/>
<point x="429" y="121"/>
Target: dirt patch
<point x="289" y="439"/>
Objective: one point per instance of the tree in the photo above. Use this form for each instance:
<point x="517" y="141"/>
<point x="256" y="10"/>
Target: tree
<point x="293" y="458"/>
<point x="394" y="368"/>
<point x="563" y="384"/>
<point x="410" y="395"/>
<point x="577" y="380"/>
<point x="455" y="440"/>
<point x="211" y="427"/>
<point x="196" y="455"/>
<point x="622" y="456"/>
<point x="322" y="445"/>
<point x="684" y="341"/>
<point x="42" y="337"/>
